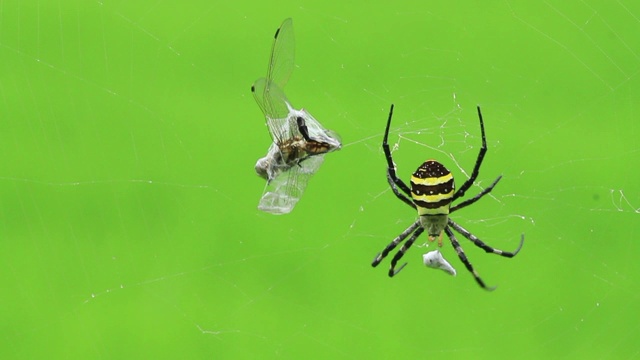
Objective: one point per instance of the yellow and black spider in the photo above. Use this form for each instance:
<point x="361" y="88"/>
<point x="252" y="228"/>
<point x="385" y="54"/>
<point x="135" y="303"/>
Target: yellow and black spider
<point x="432" y="192"/>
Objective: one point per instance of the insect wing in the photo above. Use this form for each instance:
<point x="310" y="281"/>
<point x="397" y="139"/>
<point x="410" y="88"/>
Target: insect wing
<point x="282" y="55"/>
<point x="283" y="193"/>
<point x="275" y="107"/>
<point x="318" y="133"/>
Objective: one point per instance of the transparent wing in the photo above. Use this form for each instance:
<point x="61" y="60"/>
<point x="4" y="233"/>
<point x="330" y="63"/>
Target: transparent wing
<point x="317" y="131"/>
<point x="275" y="107"/>
<point x="283" y="193"/>
<point x="282" y="55"/>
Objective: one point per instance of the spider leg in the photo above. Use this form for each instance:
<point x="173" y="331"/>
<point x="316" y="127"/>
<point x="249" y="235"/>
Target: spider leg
<point x="476" y="168"/>
<point x="465" y="261"/>
<point x="482" y="245"/>
<point x="398" y="194"/>
<point x="392" y="245"/>
<point x="482" y="193"/>
<point x="392" y="178"/>
<point x="403" y="249"/>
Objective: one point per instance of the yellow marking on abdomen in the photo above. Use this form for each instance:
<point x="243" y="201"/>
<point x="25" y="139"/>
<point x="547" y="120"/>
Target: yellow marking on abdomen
<point x="432" y="180"/>
<point x="433" y="198"/>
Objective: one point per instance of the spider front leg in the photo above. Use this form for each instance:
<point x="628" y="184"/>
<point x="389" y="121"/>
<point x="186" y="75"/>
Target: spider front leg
<point x="476" y="168"/>
<point x="398" y="194"/>
<point x="395" y="183"/>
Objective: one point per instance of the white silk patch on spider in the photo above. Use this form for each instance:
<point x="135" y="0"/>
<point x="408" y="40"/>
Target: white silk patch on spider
<point x="435" y="260"/>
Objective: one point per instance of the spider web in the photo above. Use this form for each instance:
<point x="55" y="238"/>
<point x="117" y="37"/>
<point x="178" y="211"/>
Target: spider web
<point x="128" y="211"/>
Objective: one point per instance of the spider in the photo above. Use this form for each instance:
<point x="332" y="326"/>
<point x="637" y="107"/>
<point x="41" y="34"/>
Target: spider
<point x="432" y="193"/>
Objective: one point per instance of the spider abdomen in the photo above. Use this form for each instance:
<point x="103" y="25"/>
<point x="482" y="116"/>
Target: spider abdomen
<point x="432" y="188"/>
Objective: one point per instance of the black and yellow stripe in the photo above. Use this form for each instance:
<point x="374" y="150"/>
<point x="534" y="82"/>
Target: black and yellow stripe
<point x="432" y="188"/>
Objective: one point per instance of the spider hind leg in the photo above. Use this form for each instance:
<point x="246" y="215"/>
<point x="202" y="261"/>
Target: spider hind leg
<point x="479" y="243"/>
<point x="392" y="245"/>
<point x="465" y="261"/>
<point x="400" y="253"/>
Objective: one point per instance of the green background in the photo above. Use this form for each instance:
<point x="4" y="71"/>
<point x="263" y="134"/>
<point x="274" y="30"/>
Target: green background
<point x="128" y="220"/>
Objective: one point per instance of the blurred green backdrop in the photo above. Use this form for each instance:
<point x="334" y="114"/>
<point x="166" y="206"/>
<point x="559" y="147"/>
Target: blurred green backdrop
<point x="128" y="220"/>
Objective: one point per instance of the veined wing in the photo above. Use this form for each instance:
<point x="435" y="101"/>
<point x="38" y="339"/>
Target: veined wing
<point x="283" y="193"/>
<point x="281" y="62"/>
<point x="318" y="132"/>
<point x="275" y="107"/>
<point x="269" y="93"/>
